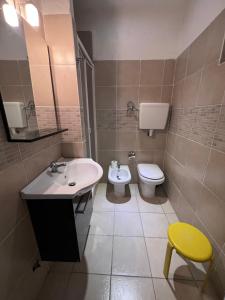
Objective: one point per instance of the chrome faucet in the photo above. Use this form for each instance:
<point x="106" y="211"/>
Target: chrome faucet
<point x="54" y="166"/>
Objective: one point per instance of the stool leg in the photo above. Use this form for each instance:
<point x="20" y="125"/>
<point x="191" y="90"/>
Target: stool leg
<point x="168" y="256"/>
<point x="207" y="275"/>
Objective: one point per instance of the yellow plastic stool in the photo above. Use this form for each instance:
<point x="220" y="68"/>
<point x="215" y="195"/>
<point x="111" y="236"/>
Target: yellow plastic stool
<point x="190" y="243"/>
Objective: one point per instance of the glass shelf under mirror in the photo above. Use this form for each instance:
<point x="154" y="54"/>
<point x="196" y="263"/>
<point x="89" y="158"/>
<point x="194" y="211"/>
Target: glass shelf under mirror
<point x="32" y="136"/>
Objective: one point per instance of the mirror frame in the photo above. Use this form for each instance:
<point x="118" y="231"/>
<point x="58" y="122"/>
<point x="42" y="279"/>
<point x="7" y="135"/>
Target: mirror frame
<point x="41" y="133"/>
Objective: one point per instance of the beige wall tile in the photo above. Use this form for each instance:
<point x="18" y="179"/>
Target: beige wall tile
<point x="105" y="73"/>
<point x="42" y="85"/>
<point x="197" y="54"/>
<point x="36" y="46"/>
<point x="181" y="65"/>
<point x="215" y="174"/>
<point x="126" y="94"/>
<point x="106" y="119"/>
<point x="65" y="83"/>
<point x="152" y="72"/>
<point x="177" y="96"/>
<point x="127" y="72"/>
<point x="212" y="85"/>
<point x="73" y="150"/>
<point x="157" y="141"/>
<point x="196" y="159"/>
<point x="24" y="72"/>
<point x="59" y="36"/>
<point x="105" y="97"/>
<point x="107" y="139"/>
<point x="215" y="38"/>
<point x="12" y="206"/>
<point x="219" y="137"/>
<point x="191" y="189"/>
<point x="12" y="93"/>
<point x="150" y="93"/>
<point x="9" y="72"/>
<point x="126" y="120"/>
<point x="170" y="143"/>
<point x="181" y="206"/>
<point x="167" y="93"/>
<point x="169" y="72"/>
<point x="191" y="89"/>
<point x="209" y="205"/>
<point x="174" y="170"/>
<point x="126" y="140"/>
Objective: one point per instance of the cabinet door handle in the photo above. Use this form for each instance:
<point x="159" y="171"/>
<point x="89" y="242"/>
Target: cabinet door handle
<point x="82" y="204"/>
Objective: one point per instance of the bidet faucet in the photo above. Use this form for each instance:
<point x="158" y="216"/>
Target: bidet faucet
<point x="54" y="166"/>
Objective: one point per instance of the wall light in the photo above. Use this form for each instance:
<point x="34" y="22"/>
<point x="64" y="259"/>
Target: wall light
<point x="32" y="16"/>
<point x="10" y="15"/>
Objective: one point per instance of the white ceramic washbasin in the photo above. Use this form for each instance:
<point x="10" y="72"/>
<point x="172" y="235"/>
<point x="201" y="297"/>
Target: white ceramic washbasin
<point x="84" y="172"/>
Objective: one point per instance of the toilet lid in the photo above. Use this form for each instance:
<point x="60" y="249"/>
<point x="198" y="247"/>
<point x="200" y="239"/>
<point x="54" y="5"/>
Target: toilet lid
<point x="150" y="171"/>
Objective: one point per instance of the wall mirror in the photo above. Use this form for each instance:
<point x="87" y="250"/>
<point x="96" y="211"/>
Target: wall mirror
<point x="26" y="92"/>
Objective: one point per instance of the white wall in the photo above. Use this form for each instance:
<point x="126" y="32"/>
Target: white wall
<point x="146" y="29"/>
<point x="199" y="14"/>
<point x="131" y="29"/>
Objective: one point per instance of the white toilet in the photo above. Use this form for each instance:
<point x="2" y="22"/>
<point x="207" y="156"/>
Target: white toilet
<point x="119" y="177"/>
<point x="150" y="175"/>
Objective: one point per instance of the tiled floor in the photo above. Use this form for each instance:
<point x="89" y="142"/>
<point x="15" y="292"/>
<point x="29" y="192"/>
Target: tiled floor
<point x="124" y="255"/>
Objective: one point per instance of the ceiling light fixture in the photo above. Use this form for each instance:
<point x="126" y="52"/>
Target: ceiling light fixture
<point x="32" y="15"/>
<point x="10" y="15"/>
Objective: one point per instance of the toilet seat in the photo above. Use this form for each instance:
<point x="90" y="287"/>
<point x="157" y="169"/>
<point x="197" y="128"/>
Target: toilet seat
<point x="150" y="172"/>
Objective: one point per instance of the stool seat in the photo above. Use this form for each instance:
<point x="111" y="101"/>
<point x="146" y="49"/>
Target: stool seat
<point x="190" y="242"/>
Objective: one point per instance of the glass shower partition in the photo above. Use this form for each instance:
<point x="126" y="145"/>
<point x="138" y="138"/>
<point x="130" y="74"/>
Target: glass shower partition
<point x="86" y="78"/>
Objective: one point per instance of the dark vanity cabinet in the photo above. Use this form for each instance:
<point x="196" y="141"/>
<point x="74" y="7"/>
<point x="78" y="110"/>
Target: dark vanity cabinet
<point x="61" y="226"/>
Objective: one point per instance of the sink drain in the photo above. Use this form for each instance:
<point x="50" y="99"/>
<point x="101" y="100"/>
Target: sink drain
<point x="72" y="183"/>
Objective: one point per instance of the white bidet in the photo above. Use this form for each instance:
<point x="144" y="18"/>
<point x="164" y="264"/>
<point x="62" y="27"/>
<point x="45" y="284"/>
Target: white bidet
<point x="119" y="177"/>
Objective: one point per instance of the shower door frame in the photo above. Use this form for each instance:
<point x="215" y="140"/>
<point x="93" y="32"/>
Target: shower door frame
<point x="92" y="132"/>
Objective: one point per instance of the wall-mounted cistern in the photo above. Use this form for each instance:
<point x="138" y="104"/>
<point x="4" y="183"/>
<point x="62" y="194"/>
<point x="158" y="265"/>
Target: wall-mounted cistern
<point x="153" y="116"/>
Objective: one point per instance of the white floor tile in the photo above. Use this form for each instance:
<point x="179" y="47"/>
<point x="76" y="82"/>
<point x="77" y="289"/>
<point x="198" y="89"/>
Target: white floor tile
<point x="128" y="206"/>
<point x="102" y="223"/>
<point x="97" y="256"/>
<point x="128" y="224"/>
<point x="152" y="205"/>
<point x="88" y="287"/>
<point x="130" y="257"/>
<point x="131" y="288"/>
<point x="54" y="287"/>
<point x="156" y="252"/>
<point x="101" y="203"/>
<point x="154" y="225"/>
<point x="172" y="218"/>
<point x="176" y="290"/>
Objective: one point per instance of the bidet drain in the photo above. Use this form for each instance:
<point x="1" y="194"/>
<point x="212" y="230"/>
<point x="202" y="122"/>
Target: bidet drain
<point x="72" y="183"/>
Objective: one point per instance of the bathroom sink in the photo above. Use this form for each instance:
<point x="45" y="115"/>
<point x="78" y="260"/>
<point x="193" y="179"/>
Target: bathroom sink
<point x="76" y="178"/>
